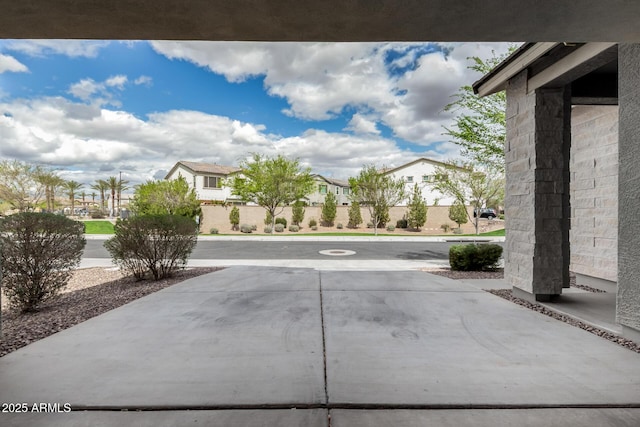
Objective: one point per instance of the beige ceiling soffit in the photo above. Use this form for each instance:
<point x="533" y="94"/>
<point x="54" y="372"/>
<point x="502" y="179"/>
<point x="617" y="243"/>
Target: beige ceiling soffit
<point x="499" y="81"/>
<point x="566" y="64"/>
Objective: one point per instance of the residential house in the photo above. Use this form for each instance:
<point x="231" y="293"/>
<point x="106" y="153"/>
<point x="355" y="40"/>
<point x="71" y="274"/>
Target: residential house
<point x="324" y="185"/>
<point x="207" y="179"/>
<point x="421" y="171"/>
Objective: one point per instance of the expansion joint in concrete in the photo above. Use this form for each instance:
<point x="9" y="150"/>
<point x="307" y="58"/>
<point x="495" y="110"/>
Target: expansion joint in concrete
<point x="324" y="343"/>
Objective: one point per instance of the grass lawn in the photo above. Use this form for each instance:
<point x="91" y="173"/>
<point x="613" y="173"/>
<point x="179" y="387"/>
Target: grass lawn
<point x="98" y="227"/>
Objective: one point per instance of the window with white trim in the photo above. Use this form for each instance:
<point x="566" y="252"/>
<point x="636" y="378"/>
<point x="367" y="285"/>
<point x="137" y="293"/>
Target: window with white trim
<point x="322" y="189"/>
<point x="409" y="179"/>
<point x="212" y="182"/>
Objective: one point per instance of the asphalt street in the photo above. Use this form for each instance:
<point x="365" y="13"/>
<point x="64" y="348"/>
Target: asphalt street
<point x="303" y="250"/>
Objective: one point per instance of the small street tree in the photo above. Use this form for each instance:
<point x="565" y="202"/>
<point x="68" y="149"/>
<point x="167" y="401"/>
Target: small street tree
<point x="417" y="214"/>
<point x="355" y="216"/>
<point x="173" y="197"/>
<point x="21" y="184"/>
<point x="271" y="182"/>
<point x="234" y="218"/>
<point x="458" y="213"/>
<point x="477" y="187"/>
<point x="329" y="209"/>
<point x="297" y="212"/>
<point x="377" y="192"/>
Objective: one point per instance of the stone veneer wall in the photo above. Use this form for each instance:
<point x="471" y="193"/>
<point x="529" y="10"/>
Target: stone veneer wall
<point x="536" y="194"/>
<point x="594" y="191"/>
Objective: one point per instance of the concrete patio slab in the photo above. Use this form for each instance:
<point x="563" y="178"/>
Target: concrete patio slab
<point x="391" y="347"/>
<point x="565" y="417"/>
<point x="228" y="418"/>
<point x="189" y="345"/>
<point x="245" y="345"/>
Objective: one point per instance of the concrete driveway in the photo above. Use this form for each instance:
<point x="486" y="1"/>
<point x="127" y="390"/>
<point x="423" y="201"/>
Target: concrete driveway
<point x="246" y="345"/>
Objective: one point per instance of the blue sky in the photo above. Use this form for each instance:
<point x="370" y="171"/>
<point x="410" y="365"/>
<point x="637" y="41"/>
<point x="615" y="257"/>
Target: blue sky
<point x="94" y="108"/>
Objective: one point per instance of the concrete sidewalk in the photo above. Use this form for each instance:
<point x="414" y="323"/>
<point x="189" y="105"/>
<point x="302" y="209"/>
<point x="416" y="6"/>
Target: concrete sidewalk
<point x="246" y="345"/>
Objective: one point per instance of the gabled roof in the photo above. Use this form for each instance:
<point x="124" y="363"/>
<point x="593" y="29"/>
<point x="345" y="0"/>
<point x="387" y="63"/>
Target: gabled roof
<point x="338" y="182"/>
<point x="420" y="159"/>
<point x="200" y="168"/>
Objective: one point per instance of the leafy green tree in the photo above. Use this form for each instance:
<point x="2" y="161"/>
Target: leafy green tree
<point x="173" y="197"/>
<point x="329" y="209"/>
<point x="297" y="212"/>
<point x="355" y="216"/>
<point x="458" y="213"/>
<point x="21" y="184"/>
<point x="468" y="186"/>
<point x="234" y="218"/>
<point x="377" y="192"/>
<point x="272" y="182"/>
<point x="71" y="188"/>
<point x="480" y="127"/>
<point x="417" y="215"/>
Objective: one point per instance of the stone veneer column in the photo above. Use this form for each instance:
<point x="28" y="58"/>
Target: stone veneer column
<point x="537" y="191"/>
<point x="628" y="299"/>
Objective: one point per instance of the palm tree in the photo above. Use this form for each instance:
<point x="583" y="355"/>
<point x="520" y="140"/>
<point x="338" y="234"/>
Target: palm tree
<point x="121" y="187"/>
<point x="51" y="183"/>
<point x="72" y="188"/>
<point x="101" y="185"/>
<point x="112" y="184"/>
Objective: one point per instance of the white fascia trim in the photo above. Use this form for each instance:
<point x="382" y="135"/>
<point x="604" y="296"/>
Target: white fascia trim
<point x="566" y="64"/>
<point x="499" y="81"/>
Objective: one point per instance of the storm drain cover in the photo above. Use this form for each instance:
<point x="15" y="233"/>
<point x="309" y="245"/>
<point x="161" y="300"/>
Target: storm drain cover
<point x="337" y="252"/>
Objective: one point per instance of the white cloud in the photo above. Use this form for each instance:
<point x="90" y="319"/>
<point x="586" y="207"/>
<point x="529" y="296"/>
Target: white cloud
<point x="85" y="89"/>
<point x="360" y="124"/>
<point x="116" y="81"/>
<point x="321" y="80"/>
<point x="71" y="48"/>
<point x="143" y="80"/>
<point x="9" y="63"/>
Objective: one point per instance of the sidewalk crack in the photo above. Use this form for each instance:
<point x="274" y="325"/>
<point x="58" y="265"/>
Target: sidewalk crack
<point x="324" y="342"/>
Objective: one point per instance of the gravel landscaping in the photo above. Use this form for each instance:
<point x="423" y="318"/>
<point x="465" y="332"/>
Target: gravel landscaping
<point x="90" y="292"/>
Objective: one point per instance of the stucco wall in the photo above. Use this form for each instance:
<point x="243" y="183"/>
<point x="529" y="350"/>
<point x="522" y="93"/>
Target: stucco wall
<point x="218" y="217"/>
<point x="417" y="171"/>
<point x="594" y="191"/>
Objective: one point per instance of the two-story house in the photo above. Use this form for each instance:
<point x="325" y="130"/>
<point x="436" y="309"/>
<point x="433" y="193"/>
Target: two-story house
<point x="324" y="185"/>
<point x="206" y="178"/>
<point x="421" y="171"/>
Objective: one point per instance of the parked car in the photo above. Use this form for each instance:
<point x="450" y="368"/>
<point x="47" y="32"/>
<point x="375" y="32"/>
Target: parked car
<point x="486" y="213"/>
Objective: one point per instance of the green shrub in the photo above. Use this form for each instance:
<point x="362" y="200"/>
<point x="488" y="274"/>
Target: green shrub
<point x="297" y="212"/>
<point x="96" y="215"/>
<point x="391" y="228"/>
<point x="38" y="252"/>
<point x="313" y="222"/>
<point x="267" y="229"/>
<point x="282" y="221"/>
<point x="339" y="226"/>
<point x="314" y="228"/>
<point x="294" y="228"/>
<point x="329" y="210"/>
<point x="213" y="231"/>
<point x="445" y="227"/>
<point x="501" y="216"/>
<point x="246" y="228"/>
<point x="279" y="228"/>
<point x="156" y="244"/>
<point x="370" y="225"/>
<point x="401" y="223"/>
<point x="268" y="219"/>
<point x="457" y="230"/>
<point x="474" y="257"/>
<point x="355" y="217"/>
<point x="234" y="218"/>
<point x="254" y="227"/>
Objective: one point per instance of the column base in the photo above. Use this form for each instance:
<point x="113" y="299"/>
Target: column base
<point x="533" y="298"/>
